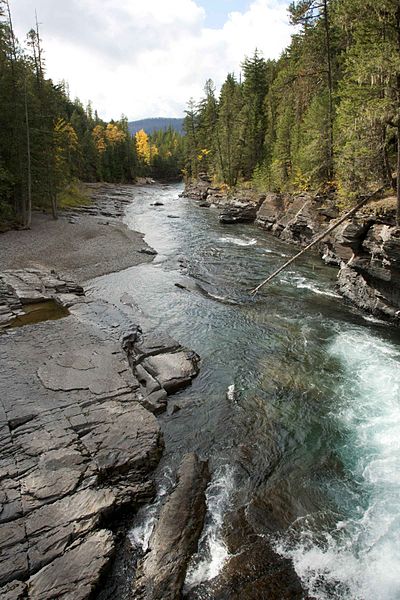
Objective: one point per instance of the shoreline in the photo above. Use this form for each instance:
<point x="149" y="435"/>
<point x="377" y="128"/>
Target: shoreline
<point x="79" y="245"/>
<point x="79" y="431"/>
<point x="365" y="248"/>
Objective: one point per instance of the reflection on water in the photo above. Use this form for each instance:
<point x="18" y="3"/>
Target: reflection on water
<point x="310" y="436"/>
<point x="49" y="310"/>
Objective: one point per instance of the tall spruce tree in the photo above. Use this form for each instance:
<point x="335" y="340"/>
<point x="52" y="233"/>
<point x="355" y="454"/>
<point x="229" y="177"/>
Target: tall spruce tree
<point x="369" y="113"/>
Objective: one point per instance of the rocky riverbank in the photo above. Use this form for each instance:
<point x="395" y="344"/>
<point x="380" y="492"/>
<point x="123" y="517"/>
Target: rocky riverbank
<point x="83" y="243"/>
<point x="366" y="248"/>
<point x="78" y="443"/>
<point x="80" y="387"/>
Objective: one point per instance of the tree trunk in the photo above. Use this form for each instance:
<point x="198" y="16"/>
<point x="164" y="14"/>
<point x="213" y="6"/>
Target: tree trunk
<point x="19" y="200"/>
<point x="330" y="86"/>
<point x="28" y="212"/>
<point x="398" y="176"/>
<point x="398" y="121"/>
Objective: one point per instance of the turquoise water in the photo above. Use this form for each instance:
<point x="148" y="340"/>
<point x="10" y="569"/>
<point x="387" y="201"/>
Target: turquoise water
<point x="297" y="405"/>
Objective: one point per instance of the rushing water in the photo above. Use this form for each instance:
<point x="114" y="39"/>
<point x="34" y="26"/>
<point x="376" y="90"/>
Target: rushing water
<point x="297" y="405"/>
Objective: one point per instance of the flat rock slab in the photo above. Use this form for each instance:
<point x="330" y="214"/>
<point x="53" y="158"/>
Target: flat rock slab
<point x="96" y="369"/>
<point x="75" y="446"/>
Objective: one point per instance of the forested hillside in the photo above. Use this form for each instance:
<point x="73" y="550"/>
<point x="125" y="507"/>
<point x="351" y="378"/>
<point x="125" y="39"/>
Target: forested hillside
<point x="157" y="124"/>
<point x="49" y="141"/>
<point x="325" y="116"/>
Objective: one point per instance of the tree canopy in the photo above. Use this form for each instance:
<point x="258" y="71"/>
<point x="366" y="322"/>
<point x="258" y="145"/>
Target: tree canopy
<point x="324" y="116"/>
<point x="49" y="140"/>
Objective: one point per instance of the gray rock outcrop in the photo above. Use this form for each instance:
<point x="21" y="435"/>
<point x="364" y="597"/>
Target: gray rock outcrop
<point x="371" y="278"/>
<point x="161" y="365"/>
<point x="161" y="573"/>
<point x="238" y="207"/>
<point x="366" y="248"/>
<point x="76" y="442"/>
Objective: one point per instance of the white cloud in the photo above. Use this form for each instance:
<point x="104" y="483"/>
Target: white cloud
<point x="147" y="57"/>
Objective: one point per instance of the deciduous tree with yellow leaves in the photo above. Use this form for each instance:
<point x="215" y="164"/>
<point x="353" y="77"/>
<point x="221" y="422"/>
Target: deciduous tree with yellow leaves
<point x="146" y="151"/>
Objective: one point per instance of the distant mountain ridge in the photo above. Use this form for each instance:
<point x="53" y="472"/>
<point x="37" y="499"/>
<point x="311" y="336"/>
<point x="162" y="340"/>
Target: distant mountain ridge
<point x="155" y="124"/>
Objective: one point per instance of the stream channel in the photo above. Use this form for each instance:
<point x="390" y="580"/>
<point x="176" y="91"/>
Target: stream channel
<point x="297" y="405"/>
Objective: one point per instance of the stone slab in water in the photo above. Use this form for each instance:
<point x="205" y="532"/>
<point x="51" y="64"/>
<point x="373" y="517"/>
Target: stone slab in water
<point x="173" y="370"/>
<point x="162" y="571"/>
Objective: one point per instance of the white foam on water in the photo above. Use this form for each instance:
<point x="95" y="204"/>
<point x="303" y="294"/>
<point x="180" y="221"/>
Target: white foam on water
<point x="302" y="283"/>
<point x="212" y="552"/>
<point x="359" y="559"/>
<point x="223" y="299"/>
<point x="269" y="251"/>
<point x="238" y="241"/>
<point x="146" y="518"/>
<point x="374" y="320"/>
<point x="231" y="392"/>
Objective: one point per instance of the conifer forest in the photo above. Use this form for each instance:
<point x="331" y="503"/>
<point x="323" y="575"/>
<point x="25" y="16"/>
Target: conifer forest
<point x="325" y="116"/>
<point x="49" y="142"/>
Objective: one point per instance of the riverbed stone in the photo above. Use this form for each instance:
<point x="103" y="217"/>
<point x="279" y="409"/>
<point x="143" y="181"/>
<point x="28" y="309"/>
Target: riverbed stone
<point x="173" y="370"/>
<point x="162" y="571"/>
<point x="161" y="366"/>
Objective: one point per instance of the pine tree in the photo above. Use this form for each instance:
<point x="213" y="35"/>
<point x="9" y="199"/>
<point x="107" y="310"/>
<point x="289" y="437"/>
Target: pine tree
<point x="255" y="88"/>
<point x="369" y="115"/>
<point x="231" y="131"/>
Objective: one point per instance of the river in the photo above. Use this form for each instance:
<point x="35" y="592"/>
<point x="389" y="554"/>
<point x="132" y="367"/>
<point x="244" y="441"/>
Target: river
<point x="297" y="405"/>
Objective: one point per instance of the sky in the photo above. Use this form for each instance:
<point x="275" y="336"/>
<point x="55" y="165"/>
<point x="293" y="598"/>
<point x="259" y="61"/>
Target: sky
<point x="147" y="58"/>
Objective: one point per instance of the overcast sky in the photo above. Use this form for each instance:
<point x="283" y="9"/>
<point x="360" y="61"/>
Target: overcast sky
<point x="146" y="58"/>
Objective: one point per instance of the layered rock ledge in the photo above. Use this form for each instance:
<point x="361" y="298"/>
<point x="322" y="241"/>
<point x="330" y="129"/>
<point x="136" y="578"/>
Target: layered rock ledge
<point x="77" y="444"/>
<point x="366" y="248"/>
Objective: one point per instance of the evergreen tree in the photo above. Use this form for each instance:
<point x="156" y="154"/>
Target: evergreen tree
<point x="255" y="88"/>
<point x="231" y="131"/>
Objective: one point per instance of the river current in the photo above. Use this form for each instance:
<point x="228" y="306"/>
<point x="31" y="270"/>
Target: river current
<point x="297" y="405"/>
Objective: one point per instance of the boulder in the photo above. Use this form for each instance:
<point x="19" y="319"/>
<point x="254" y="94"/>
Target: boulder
<point x="161" y="365"/>
<point x="174" y="370"/>
<point x="161" y="573"/>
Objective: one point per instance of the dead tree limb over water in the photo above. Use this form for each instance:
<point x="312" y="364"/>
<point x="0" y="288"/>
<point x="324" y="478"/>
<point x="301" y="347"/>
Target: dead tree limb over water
<point x="318" y="239"/>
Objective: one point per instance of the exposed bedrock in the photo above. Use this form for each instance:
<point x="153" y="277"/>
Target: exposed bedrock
<point x="237" y="207"/>
<point x="366" y="248"/>
<point x="162" y="571"/>
<point x="76" y="443"/>
<point x="161" y="365"/>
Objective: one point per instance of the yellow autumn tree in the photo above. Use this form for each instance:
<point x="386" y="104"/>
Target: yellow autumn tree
<point x="99" y="137"/>
<point x="145" y="149"/>
<point x="114" y="134"/>
<point x="66" y="142"/>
